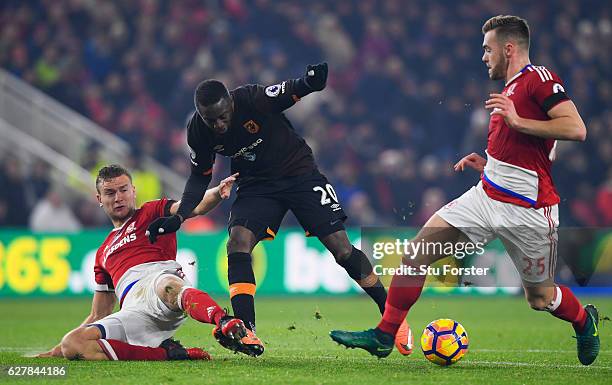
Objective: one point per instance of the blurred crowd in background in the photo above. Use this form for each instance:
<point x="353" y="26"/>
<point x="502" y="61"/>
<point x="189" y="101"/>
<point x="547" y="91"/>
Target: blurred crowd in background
<point x="405" y="96"/>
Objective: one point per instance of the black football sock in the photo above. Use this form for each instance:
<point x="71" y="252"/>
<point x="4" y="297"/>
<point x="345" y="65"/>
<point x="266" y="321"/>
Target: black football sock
<point x="359" y="268"/>
<point x="242" y="287"/>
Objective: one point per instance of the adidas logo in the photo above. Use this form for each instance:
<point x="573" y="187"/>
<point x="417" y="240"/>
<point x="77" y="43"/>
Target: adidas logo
<point x="210" y="310"/>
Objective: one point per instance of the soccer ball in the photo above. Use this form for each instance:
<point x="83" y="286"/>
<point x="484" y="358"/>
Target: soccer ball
<point x="444" y="342"/>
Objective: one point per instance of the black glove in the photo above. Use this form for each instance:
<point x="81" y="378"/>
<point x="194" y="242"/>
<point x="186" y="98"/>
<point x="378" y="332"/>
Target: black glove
<point x="163" y="225"/>
<point x="316" y="76"/>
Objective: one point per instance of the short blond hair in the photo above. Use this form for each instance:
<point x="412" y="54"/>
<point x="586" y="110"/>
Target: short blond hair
<point x="110" y="172"/>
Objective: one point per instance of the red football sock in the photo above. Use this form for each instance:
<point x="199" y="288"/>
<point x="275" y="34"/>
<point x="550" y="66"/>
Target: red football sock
<point x="200" y="306"/>
<point x="566" y="306"/>
<point x="404" y="291"/>
<point x="122" y="351"/>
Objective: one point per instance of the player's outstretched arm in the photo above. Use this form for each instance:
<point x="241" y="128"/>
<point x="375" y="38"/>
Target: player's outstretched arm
<point x="102" y="305"/>
<point x="565" y="122"/>
<point x="279" y="97"/>
<point x="212" y="197"/>
<point x="192" y="195"/>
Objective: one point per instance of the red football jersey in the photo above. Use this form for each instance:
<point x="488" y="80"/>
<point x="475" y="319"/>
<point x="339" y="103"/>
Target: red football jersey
<point x="534" y="91"/>
<point x="127" y="246"/>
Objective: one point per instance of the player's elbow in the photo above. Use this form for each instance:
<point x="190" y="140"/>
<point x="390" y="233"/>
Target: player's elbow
<point x="98" y="315"/>
<point x="580" y="134"/>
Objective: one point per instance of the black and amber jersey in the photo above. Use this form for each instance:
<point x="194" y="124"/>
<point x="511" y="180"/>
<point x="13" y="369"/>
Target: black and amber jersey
<point x="260" y="140"/>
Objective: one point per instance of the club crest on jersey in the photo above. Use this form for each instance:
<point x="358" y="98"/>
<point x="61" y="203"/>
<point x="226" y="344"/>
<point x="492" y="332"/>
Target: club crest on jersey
<point x="131" y="228"/>
<point x="510" y="90"/>
<point x="251" y="127"/>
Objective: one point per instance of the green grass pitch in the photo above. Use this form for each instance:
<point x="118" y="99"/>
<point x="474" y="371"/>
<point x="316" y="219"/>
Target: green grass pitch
<point x="509" y="344"/>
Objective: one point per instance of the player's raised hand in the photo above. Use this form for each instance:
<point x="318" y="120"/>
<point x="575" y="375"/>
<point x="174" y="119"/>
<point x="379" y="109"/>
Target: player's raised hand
<point x="163" y="225"/>
<point x="225" y="186"/>
<point x="473" y="160"/>
<point x="316" y="76"/>
<point x="504" y="106"/>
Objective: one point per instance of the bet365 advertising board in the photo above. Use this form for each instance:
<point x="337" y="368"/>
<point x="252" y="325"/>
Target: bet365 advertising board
<point x="292" y="264"/>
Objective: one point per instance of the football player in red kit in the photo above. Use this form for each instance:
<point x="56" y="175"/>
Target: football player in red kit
<point x="154" y="296"/>
<point x="515" y="199"/>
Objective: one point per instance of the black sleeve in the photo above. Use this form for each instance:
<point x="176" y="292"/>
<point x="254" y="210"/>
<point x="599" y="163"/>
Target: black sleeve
<point x="167" y="207"/>
<point x="194" y="192"/>
<point x="202" y="160"/>
<point x="201" y="155"/>
<point x="278" y="97"/>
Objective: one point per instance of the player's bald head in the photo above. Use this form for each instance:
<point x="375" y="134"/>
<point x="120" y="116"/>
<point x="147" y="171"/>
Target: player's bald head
<point x="209" y="92"/>
<point x="214" y="105"/>
<point x="509" y="28"/>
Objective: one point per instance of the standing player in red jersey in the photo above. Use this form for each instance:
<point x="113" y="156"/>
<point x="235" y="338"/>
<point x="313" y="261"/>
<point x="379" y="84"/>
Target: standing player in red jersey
<point x="515" y="200"/>
<point x="154" y="296"/>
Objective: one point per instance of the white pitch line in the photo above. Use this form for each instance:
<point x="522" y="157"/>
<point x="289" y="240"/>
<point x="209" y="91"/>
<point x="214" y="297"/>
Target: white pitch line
<point x="370" y="359"/>
<point x="417" y="349"/>
<point x="531" y="364"/>
<point x="472" y="362"/>
<point x="23" y="350"/>
<point x="530" y="351"/>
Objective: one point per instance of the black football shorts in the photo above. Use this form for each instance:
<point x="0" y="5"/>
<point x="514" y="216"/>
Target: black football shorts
<point x="261" y="206"/>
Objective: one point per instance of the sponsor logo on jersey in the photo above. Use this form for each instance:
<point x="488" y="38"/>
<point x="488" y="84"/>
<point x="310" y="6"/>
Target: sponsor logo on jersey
<point x="273" y="91"/>
<point x="249" y="156"/>
<point x="251" y="127"/>
<point x="244" y="150"/>
<point x="218" y="148"/>
<point x="124" y="241"/>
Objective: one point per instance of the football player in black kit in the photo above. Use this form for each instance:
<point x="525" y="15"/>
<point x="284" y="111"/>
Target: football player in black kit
<point x="277" y="172"/>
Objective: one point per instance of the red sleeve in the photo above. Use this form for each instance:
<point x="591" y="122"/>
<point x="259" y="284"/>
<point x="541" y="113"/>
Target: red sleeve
<point x="155" y="209"/>
<point x="546" y="88"/>
<point x="102" y="277"/>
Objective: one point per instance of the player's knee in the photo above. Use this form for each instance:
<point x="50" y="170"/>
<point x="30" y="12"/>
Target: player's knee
<point x="538" y="302"/>
<point x="237" y="244"/>
<point x="168" y="290"/>
<point x="343" y="252"/>
<point x="339" y="245"/>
